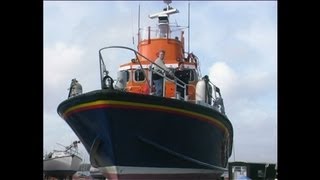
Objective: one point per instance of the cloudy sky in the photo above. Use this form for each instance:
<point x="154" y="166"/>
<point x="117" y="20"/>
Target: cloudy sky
<point x="235" y="41"/>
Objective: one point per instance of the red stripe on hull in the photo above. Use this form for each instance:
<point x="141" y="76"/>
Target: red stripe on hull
<point x="193" y="176"/>
<point x="101" y="106"/>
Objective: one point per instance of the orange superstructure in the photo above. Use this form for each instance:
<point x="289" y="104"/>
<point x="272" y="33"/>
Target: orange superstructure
<point x="172" y="47"/>
<point x="150" y="42"/>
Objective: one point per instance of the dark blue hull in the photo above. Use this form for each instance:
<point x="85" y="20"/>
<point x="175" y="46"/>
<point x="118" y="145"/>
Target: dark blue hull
<point x="132" y="130"/>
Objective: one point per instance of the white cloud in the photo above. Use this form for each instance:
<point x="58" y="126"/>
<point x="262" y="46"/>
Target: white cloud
<point x="261" y="36"/>
<point x="255" y="131"/>
<point x="253" y="115"/>
<point x="240" y="84"/>
<point x="59" y="62"/>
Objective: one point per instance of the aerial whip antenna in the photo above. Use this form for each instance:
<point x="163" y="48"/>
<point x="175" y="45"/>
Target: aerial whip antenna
<point x="138" y="25"/>
<point x="132" y="29"/>
<point x="188" y="27"/>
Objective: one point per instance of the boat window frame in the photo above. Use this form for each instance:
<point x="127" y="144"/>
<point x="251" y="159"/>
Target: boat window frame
<point x="134" y="75"/>
<point x="192" y="75"/>
<point x="127" y="72"/>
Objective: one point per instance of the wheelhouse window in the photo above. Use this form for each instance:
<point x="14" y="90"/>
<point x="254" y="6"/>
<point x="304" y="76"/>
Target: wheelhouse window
<point x="124" y="74"/>
<point x="139" y="75"/>
<point x="192" y="74"/>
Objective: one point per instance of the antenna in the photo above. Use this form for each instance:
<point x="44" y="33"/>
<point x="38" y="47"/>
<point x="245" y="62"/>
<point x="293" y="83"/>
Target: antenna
<point x="188" y="27"/>
<point x="138" y="24"/>
<point x="166" y="12"/>
<point x="139" y="18"/>
<point x="167" y="2"/>
<point x="132" y="28"/>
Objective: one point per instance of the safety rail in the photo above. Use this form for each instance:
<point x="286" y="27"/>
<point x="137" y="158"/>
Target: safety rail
<point x="214" y="102"/>
<point x="137" y="54"/>
<point x="154" y="32"/>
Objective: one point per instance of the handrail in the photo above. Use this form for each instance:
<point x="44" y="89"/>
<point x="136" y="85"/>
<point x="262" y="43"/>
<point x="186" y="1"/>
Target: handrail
<point x="175" y="79"/>
<point x="137" y="57"/>
<point x="152" y="32"/>
<point x="215" y="102"/>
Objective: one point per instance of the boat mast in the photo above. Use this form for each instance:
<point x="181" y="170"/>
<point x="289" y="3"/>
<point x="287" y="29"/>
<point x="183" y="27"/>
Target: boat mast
<point x="167" y="2"/>
<point x="163" y="17"/>
<point x="188" y="27"/>
<point x="138" y="27"/>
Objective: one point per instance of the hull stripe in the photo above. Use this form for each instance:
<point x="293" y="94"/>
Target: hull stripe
<point x="142" y="106"/>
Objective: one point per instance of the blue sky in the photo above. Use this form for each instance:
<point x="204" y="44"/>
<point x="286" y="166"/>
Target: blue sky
<point x="236" y="42"/>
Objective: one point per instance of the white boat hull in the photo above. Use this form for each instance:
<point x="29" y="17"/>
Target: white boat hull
<point x="66" y="163"/>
